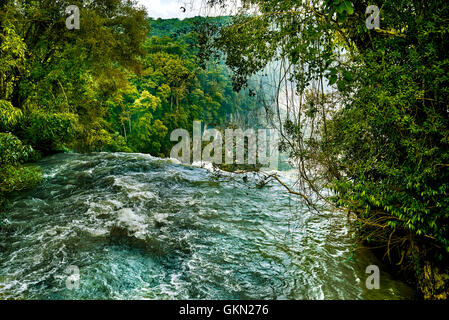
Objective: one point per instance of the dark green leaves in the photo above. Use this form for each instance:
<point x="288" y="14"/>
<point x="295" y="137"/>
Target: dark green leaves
<point x="345" y="6"/>
<point x="12" y="151"/>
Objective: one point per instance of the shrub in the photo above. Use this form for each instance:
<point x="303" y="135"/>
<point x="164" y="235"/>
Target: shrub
<point x="9" y="115"/>
<point x="18" y="178"/>
<point x="12" y="151"/>
<point x="13" y="176"/>
<point x="49" y="132"/>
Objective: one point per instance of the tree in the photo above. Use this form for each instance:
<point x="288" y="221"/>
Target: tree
<point x="55" y="83"/>
<point x="366" y="107"/>
<point x="174" y="89"/>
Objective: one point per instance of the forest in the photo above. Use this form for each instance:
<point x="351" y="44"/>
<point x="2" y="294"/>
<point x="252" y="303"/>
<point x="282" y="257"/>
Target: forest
<point x="58" y="95"/>
<point x="362" y="108"/>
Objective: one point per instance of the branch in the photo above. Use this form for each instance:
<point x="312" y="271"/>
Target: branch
<point x="274" y="176"/>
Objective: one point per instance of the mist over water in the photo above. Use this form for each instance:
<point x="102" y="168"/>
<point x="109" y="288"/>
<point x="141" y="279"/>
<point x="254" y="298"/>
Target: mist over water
<point x="139" y="227"/>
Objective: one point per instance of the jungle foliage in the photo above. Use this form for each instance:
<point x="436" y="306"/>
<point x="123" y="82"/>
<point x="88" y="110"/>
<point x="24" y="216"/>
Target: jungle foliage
<point x="120" y="83"/>
<point x="370" y="109"/>
<point x="54" y="82"/>
<point x="174" y="89"/>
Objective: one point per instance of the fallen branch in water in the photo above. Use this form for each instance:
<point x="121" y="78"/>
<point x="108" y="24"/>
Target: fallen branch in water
<point x="275" y="177"/>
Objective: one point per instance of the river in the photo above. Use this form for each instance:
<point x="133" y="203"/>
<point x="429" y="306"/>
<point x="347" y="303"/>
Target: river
<point x="137" y="227"/>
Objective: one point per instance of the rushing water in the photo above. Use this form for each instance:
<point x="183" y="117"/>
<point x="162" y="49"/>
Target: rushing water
<point x="138" y="227"/>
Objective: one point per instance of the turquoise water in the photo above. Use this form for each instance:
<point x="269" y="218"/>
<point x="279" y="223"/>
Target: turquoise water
<point x="138" y="227"/>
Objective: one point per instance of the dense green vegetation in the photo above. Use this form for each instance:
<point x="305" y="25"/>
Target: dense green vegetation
<point x="175" y="89"/>
<point x="121" y="83"/>
<point x="55" y="82"/>
<point x="372" y="114"/>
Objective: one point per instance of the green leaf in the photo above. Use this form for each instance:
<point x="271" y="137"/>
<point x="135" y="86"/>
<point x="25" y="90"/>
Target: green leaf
<point x="341" y="86"/>
<point x="345" y="6"/>
<point x="332" y="80"/>
<point x="347" y="76"/>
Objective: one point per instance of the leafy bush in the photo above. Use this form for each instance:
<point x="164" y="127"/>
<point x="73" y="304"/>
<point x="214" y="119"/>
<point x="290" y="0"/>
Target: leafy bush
<point x="49" y="132"/>
<point x="117" y="144"/>
<point x="18" y="178"/>
<point x="9" y="115"/>
<point x="13" y="176"/>
<point x="12" y="151"/>
<point x="394" y="152"/>
<point x="101" y="140"/>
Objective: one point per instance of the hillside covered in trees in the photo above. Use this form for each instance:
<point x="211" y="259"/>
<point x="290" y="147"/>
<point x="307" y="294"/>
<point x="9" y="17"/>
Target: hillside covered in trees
<point x="120" y="84"/>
